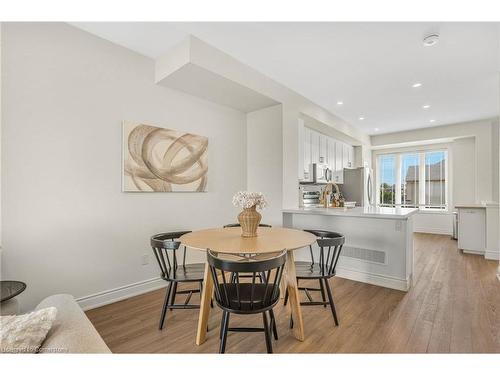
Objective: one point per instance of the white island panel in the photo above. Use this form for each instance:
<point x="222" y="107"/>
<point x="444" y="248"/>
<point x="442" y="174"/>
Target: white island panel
<point x="378" y="248"/>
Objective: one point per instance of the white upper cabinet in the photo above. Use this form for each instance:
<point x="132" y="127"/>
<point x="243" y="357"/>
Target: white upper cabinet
<point x="323" y="152"/>
<point x="330" y="152"/>
<point x="301" y="161"/>
<point x="345" y="155"/>
<point x="351" y="157"/>
<point x="338" y="156"/>
<point x="315" y="147"/>
<point x="307" y="149"/>
<point x="338" y="171"/>
<point x="348" y="156"/>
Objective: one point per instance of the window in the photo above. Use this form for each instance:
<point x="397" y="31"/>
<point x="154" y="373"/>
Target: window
<point x="417" y="179"/>
<point x="387" y="179"/>
<point x="435" y="180"/>
<point x="409" y="180"/>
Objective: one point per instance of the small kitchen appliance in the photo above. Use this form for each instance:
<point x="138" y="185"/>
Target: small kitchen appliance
<point x="320" y="173"/>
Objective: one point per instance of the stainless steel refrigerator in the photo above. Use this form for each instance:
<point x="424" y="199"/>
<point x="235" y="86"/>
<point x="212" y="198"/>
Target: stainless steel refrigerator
<point x="358" y="186"/>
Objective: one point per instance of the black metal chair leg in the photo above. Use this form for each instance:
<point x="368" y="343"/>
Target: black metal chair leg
<point x="174" y="292"/>
<point x="322" y="291"/>
<point x="269" y="344"/>
<point x="332" y="305"/>
<point x="273" y="324"/>
<point x="225" y="321"/>
<point x="165" y="306"/>
<point x="286" y="297"/>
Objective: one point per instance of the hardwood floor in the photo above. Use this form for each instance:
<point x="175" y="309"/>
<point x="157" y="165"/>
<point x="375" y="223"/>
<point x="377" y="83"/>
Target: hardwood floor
<point x="453" y="306"/>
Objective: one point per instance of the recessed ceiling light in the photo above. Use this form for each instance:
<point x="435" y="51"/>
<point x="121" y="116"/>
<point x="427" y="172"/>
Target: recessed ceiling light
<point x="340" y="102"/>
<point x="376" y="129"/>
<point x="426" y="106"/>
<point x="361" y="118"/>
<point x="431" y="40"/>
<point x="416" y="84"/>
<point x="432" y="120"/>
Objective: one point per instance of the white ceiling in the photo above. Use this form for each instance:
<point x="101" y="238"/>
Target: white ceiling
<point x="370" y="67"/>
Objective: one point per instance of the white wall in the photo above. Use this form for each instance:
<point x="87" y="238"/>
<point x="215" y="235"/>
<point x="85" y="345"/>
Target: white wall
<point x="293" y="106"/>
<point x="480" y="130"/>
<point x="495" y="157"/>
<point x="497" y="136"/>
<point x="473" y="162"/>
<point x="428" y="221"/>
<point x="464" y="170"/>
<point x="265" y="159"/>
<point x="431" y="222"/>
<point x="0" y="143"/>
<point x="67" y="227"/>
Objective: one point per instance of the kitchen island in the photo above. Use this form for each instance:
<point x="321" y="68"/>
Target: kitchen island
<point x="379" y="241"/>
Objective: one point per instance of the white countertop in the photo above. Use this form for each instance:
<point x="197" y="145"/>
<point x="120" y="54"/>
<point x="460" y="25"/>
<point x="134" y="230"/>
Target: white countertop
<point x="366" y="212"/>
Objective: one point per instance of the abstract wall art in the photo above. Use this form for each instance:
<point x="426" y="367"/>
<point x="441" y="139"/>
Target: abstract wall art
<point x="163" y="160"/>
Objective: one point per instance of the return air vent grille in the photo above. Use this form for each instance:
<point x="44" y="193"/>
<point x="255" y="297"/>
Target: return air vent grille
<point x="367" y="255"/>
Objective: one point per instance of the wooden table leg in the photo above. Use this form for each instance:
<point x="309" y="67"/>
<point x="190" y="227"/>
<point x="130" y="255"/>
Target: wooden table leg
<point x="293" y="297"/>
<point x="206" y="297"/>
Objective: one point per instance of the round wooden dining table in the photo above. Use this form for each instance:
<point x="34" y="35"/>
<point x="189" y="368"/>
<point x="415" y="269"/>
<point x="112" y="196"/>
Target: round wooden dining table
<point x="268" y="240"/>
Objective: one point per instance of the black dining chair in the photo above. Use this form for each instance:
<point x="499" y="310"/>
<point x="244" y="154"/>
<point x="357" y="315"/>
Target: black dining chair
<point x="260" y="276"/>
<point x="330" y="245"/>
<point x="234" y="296"/>
<point x="174" y="271"/>
<point x="237" y="225"/>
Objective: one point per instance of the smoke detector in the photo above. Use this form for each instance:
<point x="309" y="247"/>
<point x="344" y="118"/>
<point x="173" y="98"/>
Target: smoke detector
<point x="431" y="40"/>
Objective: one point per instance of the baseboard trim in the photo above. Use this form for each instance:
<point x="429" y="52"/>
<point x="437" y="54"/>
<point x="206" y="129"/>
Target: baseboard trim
<point x="374" y="279"/>
<point x="106" y="297"/>
<point x="432" y="231"/>
<point x="491" y="255"/>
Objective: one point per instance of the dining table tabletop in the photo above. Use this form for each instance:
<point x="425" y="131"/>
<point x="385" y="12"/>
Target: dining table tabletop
<point x="268" y="240"/>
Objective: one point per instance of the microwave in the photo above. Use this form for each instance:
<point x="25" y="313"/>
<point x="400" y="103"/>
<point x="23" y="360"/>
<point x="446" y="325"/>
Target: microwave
<point x="320" y="172"/>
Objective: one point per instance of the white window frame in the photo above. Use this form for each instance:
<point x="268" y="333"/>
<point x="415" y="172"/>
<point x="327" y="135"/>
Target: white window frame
<point x="421" y="151"/>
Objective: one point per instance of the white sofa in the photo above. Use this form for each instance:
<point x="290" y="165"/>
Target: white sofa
<point x="72" y="331"/>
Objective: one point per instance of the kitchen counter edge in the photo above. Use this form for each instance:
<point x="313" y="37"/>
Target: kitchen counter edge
<point x="354" y="212"/>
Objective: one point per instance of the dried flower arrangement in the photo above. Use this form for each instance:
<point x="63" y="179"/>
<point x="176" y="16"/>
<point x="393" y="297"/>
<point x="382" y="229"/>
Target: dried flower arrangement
<point x="247" y="199"/>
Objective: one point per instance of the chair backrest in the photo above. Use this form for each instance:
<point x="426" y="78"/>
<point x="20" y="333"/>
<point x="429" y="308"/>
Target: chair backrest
<point x="165" y="250"/>
<point x="234" y="295"/>
<point x="236" y="225"/>
<point x="330" y="245"/>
